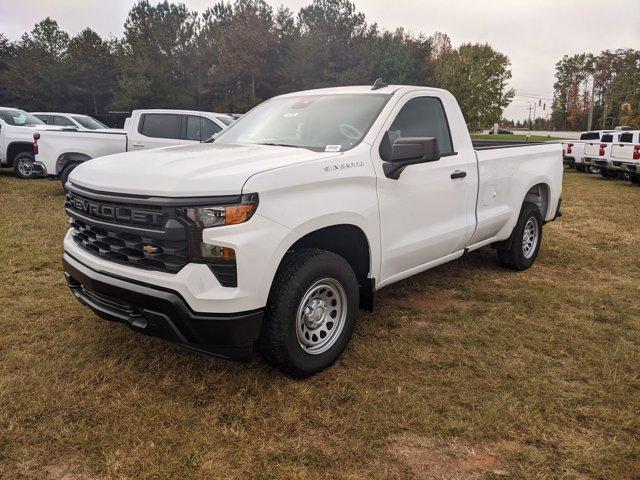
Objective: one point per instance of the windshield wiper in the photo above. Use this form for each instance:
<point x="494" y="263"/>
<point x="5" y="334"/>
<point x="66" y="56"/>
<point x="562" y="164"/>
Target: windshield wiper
<point x="272" y="144"/>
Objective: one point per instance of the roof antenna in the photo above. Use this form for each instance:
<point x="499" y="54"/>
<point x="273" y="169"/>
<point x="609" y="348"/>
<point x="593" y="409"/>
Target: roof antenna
<point x="378" y="84"/>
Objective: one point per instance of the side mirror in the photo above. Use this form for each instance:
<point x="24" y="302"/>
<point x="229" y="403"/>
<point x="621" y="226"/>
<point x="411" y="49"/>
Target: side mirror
<point x="406" y="151"/>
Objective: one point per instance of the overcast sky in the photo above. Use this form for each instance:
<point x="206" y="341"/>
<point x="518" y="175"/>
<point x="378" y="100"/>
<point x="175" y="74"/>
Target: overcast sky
<point x="534" y="34"/>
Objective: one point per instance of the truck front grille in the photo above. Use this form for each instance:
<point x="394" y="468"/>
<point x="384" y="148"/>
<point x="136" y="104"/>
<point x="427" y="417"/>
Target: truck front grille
<point x="130" y="249"/>
<point x="149" y="233"/>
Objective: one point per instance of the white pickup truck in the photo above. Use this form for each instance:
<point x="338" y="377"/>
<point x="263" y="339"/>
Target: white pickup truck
<point x="278" y="231"/>
<point x="625" y="155"/>
<point x="597" y="154"/>
<point x="16" y="140"/>
<point x="573" y="150"/>
<point x="58" y="153"/>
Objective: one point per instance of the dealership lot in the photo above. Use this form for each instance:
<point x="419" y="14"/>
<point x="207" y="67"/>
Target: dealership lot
<point x="464" y="369"/>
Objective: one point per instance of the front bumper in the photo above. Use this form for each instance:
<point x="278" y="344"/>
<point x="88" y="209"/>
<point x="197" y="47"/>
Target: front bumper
<point x="163" y="313"/>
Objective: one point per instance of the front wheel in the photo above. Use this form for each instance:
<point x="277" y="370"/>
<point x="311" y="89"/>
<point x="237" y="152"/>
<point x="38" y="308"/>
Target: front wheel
<point x="311" y="313"/>
<point x="66" y="171"/>
<point x="526" y="239"/>
<point x="23" y="165"/>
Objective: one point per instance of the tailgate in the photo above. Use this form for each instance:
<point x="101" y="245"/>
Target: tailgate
<point x="622" y="151"/>
<point x="591" y="149"/>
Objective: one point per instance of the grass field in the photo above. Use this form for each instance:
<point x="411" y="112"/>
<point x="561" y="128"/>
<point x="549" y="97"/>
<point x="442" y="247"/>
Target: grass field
<point x="466" y="371"/>
<point x="513" y="137"/>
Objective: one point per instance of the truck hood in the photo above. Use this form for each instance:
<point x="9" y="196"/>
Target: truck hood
<point x="187" y="171"/>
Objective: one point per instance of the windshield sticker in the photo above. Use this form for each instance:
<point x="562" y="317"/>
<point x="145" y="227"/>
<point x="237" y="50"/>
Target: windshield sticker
<point x="332" y="148"/>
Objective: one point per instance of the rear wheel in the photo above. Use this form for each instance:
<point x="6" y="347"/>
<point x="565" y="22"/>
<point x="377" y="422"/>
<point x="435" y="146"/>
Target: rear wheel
<point x="579" y="167"/>
<point x="635" y="178"/>
<point x="23" y="165"/>
<point x="526" y="239"/>
<point x="311" y="313"/>
<point x="592" y="169"/>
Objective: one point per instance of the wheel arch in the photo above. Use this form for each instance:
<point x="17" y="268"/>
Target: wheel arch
<point x="344" y="239"/>
<point x="15" y="148"/>
<point x="70" y="157"/>
<point x="540" y="195"/>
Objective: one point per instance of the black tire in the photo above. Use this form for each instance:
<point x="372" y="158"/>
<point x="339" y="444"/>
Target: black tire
<point x="604" y="173"/>
<point x="279" y="343"/>
<point x="635" y="178"/>
<point x="515" y="257"/>
<point x="20" y="162"/>
<point x="66" y="171"/>
<point x="579" y="167"/>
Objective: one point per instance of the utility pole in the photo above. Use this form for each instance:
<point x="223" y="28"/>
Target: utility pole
<point x="590" y="118"/>
<point x="530" y="124"/>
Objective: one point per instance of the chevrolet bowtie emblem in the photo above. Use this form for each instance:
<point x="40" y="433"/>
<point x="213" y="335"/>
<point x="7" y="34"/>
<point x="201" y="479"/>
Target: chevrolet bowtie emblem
<point x="150" y="249"/>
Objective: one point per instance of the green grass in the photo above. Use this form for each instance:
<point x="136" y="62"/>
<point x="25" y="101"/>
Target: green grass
<point x="459" y="372"/>
<point x="513" y="137"/>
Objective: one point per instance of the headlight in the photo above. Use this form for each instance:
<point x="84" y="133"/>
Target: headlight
<point x="221" y="260"/>
<point x="219" y="215"/>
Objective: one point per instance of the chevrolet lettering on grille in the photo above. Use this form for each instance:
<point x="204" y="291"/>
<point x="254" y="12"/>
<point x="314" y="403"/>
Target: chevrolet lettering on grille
<point x="114" y="212"/>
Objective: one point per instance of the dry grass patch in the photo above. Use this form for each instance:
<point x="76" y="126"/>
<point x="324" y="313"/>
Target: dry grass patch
<point x="433" y="459"/>
<point x="535" y="373"/>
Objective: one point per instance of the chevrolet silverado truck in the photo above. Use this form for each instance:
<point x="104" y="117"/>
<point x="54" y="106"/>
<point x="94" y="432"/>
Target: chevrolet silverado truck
<point x="597" y="154"/>
<point x="58" y="153"/>
<point x="625" y="156"/>
<point x="16" y="140"/>
<point x="276" y="233"/>
<point x="573" y="150"/>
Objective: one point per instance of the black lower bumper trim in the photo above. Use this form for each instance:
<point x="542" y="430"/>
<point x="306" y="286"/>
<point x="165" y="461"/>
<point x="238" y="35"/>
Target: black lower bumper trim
<point x="163" y="313"/>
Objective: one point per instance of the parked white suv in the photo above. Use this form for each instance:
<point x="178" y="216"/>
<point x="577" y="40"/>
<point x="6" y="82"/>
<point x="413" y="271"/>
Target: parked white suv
<point x="58" y="153"/>
<point x="73" y="120"/>
<point x="275" y="233"/>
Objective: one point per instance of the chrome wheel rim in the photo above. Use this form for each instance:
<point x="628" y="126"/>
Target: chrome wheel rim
<point x="321" y="316"/>
<point x="25" y="167"/>
<point x="530" y="237"/>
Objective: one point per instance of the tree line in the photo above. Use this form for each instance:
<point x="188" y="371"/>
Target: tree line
<point x="609" y="81"/>
<point x="234" y="55"/>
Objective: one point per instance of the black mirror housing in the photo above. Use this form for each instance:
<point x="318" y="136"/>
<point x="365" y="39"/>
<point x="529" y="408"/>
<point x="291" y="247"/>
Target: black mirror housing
<point x="407" y="151"/>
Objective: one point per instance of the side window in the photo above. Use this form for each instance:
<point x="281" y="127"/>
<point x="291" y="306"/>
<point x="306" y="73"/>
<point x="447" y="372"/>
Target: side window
<point x="45" y="118"/>
<point x="160" y="125"/>
<point x="423" y="117"/>
<point x="62" y="121"/>
<point x="200" y="128"/>
<point x="626" y="138"/>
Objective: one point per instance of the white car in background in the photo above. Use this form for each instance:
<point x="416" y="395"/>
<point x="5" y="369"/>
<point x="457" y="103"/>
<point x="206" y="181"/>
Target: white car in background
<point x="81" y="122"/>
<point x="58" y="153"/>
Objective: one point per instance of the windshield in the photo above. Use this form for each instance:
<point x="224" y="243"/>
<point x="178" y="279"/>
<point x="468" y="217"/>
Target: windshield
<point x="317" y="122"/>
<point x="19" y="118"/>
<point x="89" y="122"/>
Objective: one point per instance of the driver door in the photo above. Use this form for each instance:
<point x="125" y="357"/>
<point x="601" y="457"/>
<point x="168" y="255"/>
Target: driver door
<point x="426" y="214"/>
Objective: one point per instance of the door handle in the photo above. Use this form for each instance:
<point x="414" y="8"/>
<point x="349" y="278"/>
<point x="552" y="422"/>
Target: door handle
<point x="137" y="144"/>
<point x="458" y="174"/>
